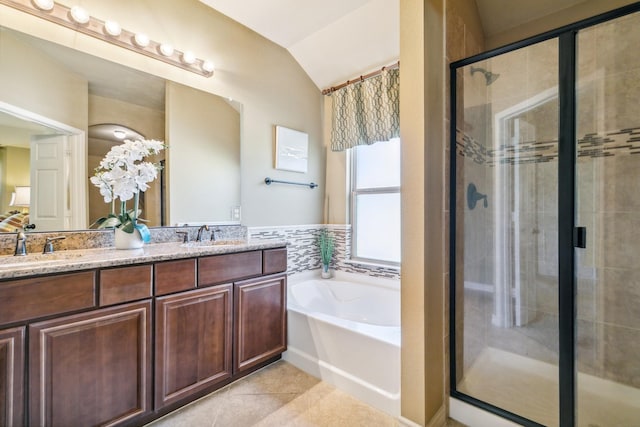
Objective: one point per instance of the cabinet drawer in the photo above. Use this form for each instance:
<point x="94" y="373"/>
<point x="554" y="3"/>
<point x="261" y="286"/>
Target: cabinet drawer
<point x="44" y="296"/>
<point x="174" y="276"/>
<point x="124" y="284"/>
<point x="274" y="261"/>
<point x="229" y="267"/>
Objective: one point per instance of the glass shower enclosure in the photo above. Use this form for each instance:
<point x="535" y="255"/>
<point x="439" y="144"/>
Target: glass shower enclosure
<point x="545" y="226"/>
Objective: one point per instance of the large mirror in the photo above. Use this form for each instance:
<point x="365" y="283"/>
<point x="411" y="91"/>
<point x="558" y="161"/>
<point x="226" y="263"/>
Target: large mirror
<point x="61" y="110"/>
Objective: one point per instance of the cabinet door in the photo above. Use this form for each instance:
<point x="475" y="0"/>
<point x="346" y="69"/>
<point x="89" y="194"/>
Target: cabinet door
<point x="193" y="342"/>
<point x="12" y="377"/>
<point x="92" y="368"/>
<point x="260" y="320"/>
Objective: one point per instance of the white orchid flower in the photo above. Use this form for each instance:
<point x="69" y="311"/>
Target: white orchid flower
<point x="123" y="173"/>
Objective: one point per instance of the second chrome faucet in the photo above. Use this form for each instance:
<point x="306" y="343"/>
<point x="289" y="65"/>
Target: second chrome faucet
<point x="200" y="230"/>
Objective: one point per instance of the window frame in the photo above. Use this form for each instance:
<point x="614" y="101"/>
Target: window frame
<point x="353" y="193"/>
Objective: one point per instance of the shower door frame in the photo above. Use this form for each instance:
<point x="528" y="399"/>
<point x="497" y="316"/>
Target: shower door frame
<point x="566" y="213"/>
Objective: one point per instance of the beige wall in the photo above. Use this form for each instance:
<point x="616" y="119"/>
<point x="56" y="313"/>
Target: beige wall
<point x="148" y="121"/>
<point x="203" y="157"/>
<point x="15" y="171"/>
<point x="271" y="86"/>
<point x="425" y="163"/>
<point x="53" y="91"/>
<point x="566" y="16"/>
<point x="336" y="200"/>
<point x="423" y="228"/>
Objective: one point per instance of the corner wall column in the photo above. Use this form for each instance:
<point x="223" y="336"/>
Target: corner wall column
<point x="423" y="194"/>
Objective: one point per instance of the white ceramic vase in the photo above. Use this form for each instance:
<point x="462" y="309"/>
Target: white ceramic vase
<point x="326" y="274"/>
<point x="126" y="240"/>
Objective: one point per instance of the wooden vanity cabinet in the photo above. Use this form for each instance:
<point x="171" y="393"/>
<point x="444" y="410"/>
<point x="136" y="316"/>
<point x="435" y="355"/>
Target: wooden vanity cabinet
<point x="92" y="368"/>
<point x="260" y="320"/>
<point x="125" y="344"/>
<point x="193" y="342"/>
<point x="12" y="346"/>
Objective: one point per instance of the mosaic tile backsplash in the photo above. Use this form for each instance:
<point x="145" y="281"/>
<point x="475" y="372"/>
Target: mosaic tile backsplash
<point x="303" y="252"/>
<point x="93" y="239"/>
<point x="619" y="142"/>
<point x="304" y="255"/>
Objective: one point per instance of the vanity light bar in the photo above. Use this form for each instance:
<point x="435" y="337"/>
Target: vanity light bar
<point x="77" y="18"/>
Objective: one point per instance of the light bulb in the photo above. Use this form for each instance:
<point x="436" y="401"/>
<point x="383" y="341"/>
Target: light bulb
<point x="46" y="5"/>
<point x="112" y="28"/>
<point x="119" y="133"/>
<point x="166" y="49"/>
<point x="141" y="40"/>
<point x="79" y="15"/>
<point x="208" y="67"/>
<point x="188" y="57"/>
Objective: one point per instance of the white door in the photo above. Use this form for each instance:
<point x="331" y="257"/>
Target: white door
<point x="49" y="208"/>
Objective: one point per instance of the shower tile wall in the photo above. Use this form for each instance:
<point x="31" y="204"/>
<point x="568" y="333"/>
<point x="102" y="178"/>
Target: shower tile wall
<point x="464" y="38"/>
<point x="304" y="255"/>
<point x="608" y="175"/>
<point x="609" y="201"/>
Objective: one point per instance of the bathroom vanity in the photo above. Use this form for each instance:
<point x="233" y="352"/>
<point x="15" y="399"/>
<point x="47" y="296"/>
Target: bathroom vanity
<point x="123" y="337"/>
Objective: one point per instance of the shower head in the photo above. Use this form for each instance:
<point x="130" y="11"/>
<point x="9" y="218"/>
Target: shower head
<point x="488" y="75"/>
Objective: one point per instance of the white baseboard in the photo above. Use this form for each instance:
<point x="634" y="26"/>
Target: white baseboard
<point x="407" y="422"/>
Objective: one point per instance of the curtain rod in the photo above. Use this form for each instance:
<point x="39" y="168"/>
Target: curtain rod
<point x="332" y="89"/>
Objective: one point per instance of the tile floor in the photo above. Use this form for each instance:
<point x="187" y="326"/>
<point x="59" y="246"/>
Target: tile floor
<point x="278" y="395"/>
<point x="498" y="377"/>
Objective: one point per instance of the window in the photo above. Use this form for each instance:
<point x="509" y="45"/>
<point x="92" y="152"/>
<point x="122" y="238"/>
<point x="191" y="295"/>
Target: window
<point x="375" y="202"/>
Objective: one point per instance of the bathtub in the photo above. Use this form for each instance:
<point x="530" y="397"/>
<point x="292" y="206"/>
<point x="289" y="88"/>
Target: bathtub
<point x="346" y="331"/>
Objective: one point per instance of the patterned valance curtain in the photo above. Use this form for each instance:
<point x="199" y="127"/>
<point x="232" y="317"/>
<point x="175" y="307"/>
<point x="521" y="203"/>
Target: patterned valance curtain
<point x="367" y="111"/>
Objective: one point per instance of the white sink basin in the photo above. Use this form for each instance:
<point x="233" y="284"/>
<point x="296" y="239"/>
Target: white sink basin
<point x="33" y="260"/>
<point x="209" y="243"/>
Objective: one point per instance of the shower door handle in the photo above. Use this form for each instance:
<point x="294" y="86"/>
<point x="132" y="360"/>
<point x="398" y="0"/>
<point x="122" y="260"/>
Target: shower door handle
<point x="580" y="237"/>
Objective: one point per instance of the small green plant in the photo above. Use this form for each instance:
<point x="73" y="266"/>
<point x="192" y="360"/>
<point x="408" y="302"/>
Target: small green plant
<point x="327" y="243"/>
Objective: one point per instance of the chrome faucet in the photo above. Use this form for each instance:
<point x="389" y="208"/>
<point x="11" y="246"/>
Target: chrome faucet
<point x="21" y="244"/>
<point x="48" y="244"/>
<point x="185" y="236"/>
<point x="199" y="235"/>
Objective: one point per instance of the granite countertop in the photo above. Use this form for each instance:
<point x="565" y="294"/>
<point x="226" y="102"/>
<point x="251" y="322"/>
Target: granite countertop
<point x="84" y="259"/>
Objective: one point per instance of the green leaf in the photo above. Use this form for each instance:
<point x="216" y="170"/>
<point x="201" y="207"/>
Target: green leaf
<point x="127" y="227"/>
<point x="326" y="242"/>
<point x="107" y="222"/>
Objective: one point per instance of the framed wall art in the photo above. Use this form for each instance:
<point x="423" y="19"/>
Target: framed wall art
<point x="292" y="149"/>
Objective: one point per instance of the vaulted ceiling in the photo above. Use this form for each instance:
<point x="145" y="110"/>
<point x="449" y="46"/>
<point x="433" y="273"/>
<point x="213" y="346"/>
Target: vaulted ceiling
<point x="333" y="40"/>
<point x="337" y="40"/>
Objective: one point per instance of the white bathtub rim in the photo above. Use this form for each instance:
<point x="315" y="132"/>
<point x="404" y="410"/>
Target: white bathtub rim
<point x="387" y="334"/>
<point x="344" y="276"/>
